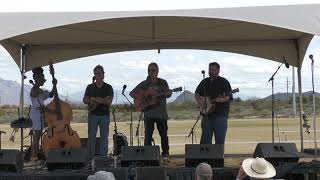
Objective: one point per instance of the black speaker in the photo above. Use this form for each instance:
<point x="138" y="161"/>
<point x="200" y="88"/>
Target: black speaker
<point x="66" y="158"/>
<point x="209" y="153"/>
<point x="11" y="160"/>
<point x="277" y="153"/>
<point x="154" y="173"/>
<point x="140" y="156"/>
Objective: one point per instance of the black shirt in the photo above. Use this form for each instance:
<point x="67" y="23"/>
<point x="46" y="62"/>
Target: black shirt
<point x="104" y="91"/>
<point x="158" y="111"/>
<point x="218" y="86"/>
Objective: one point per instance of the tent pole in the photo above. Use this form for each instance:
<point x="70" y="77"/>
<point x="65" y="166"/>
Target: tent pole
<point x="22" y="71"/>
<point x="300" y="105"/>
<point x="294" y="106"/>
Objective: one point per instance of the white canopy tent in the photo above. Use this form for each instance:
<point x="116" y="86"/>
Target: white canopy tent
<point x="278" y="33"/>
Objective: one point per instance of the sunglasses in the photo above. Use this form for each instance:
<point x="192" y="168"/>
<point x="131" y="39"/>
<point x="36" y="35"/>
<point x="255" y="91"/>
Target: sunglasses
<point x="152" y="70"/>
<point x="98" y="73"/>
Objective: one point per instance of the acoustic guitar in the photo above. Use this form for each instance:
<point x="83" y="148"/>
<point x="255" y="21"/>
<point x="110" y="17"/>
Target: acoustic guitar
<point x="149" y="97"/>
<point x="211" y="103"/>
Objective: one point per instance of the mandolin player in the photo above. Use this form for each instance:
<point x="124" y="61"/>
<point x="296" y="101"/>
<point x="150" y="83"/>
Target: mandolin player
<point x="214" y="91"/>
<point x="152" y="94"/>
<point x="98" y="96"/>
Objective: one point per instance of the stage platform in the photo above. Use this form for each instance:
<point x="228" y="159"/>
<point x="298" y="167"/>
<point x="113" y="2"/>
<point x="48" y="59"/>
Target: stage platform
<point x="307" y="168"/>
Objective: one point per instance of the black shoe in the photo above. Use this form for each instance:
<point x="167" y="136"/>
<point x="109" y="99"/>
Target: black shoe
<point x="165" y="158"/>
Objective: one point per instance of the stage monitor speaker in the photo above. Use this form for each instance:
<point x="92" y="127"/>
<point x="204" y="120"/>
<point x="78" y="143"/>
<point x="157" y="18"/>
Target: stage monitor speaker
<point x="154" y="173"/>
<point x="277" y="153"/>
<point x="140" y="156"/>
<point x="210" y="153"/>
<point x="11" y="160"/>
<point x="66" y="158"/>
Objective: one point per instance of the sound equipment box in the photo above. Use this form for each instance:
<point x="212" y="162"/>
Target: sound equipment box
<point x="140" y="156"/>
<point x="212" y="154"/>
<point x="11" y="160"/>
<point x="66" y="158"/>
<point x="277" y="153"/>
<point x="154" y="173"/>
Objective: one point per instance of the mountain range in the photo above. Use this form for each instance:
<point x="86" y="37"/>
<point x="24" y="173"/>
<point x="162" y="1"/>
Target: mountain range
<point x="285" y="96"/>
<point x="10" y="94"/>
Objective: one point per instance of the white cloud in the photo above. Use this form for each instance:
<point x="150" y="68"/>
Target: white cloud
<point x="134" y="64"/>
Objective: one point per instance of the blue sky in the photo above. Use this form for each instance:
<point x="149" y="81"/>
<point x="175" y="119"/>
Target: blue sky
<point x="178" y="67"/>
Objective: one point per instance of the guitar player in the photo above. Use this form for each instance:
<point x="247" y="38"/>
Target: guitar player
<point x="98" y="96"/>
<point x="157" y="112"/>
<point x="218" y="89"/>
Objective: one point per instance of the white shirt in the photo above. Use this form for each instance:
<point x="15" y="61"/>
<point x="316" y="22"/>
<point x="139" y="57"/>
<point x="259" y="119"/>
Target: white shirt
<point x="35" y="111"/>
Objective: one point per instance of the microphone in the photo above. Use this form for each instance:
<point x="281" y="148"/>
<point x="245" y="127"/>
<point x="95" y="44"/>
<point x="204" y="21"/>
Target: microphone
<point x="31" y="82"/>
<point x="203" y="72"/>
<point x="123" y="89"/>
<point x="285" y="62"/>
<point x="311" y="57"/>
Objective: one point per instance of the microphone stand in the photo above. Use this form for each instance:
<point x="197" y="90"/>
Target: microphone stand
<point x="192" y="129"/>
<point x="138" y="126"/>
<point x="273" y="104"/>
<point x="131" y="136"/>
<point x="201" y="112"/>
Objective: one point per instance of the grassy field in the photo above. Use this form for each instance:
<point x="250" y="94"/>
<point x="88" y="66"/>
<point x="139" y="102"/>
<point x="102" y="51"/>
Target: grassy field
<point x="242" y="135"/>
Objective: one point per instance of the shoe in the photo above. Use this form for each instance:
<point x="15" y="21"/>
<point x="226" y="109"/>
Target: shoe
<point x="165" y="158"/>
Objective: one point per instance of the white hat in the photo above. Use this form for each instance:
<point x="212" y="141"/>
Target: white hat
<point x="101" y="175"/>
<point x="258" y="168"/>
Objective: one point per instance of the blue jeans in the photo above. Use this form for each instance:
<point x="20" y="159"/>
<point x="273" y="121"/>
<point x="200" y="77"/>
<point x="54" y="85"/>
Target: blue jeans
<point x="93" y="122"/>
<point x="214" y="124"/>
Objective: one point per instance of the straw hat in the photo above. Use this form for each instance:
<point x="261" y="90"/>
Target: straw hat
<point x="258" y="168"/>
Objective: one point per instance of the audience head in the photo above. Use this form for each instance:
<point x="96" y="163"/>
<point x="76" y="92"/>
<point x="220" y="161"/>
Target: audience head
<point x="101" y="175"/>
<point x="203" y="172"/>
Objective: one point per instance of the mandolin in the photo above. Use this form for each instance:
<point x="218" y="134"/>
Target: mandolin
<point x="149" y="97"/>
<point x="92" y="106"/>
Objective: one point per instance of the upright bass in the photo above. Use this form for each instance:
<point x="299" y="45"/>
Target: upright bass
<point x="59" y="115"/>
